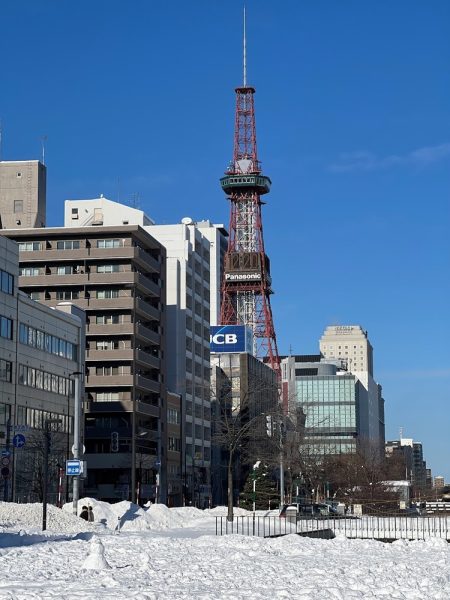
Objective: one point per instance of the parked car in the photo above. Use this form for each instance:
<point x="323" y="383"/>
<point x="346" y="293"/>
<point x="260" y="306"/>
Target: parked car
<point x="304" y="510"/>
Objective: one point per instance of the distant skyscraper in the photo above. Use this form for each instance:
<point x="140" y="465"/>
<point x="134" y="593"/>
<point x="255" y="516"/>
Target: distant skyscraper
<point x="22" y="194"/>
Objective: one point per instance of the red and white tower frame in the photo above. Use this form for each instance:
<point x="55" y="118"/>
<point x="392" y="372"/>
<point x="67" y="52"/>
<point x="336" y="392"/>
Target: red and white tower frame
<point x="246" y="285"/>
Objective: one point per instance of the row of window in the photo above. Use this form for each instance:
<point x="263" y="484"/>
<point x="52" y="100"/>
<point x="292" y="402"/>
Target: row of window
<point x="42" y="380"/>
<point x="48" y="343"/>
<point x="6" y="282"/>
<point x="35" y="418"/>
<point x="70" y="245"/>
<point x="66" y="270"/>
<point x="5" y="370"/>
<point x="6" y="328"/>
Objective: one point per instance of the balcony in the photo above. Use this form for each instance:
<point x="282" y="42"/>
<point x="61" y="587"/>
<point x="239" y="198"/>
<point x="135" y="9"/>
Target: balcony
<point x="126" y="252"/>
<point x="110" y="329"/>
<point x="123" y="302"/>
<point x="146" y="309"/>
<point x="147" y="261"/>
<point x="109" y="381"/>
<point x="114" y="406"/>
<point x="53" y="280"/>
<point x="148" y="384"/>
<point x="147" y="359"/>
<point x="147" y="334"/>
<point x="147" y="284"/>
<point x="52" y="254"/>
<point x="110" y="355"/>
<point x="148" y="409"/>
<point x="92" y="433"/>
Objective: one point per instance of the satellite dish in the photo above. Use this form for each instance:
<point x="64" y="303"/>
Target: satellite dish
<point x="187" y="221"/>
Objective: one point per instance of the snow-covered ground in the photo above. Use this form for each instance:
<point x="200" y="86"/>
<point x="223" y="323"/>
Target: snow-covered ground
<point x="167" y="554"/>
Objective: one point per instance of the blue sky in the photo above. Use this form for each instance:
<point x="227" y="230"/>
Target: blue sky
<point x="353" y="117"/>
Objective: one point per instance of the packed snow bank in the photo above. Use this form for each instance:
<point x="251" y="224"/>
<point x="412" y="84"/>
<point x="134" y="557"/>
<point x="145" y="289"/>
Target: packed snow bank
<point x="127" y="516"/>
<point x="14" y="517"/>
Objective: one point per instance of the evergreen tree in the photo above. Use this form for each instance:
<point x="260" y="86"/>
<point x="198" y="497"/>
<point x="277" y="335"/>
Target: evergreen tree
<point x="266" y="492"/>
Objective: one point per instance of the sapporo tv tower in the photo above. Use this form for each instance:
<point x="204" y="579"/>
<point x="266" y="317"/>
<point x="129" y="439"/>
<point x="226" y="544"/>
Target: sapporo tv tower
<point x="246" y="284"/>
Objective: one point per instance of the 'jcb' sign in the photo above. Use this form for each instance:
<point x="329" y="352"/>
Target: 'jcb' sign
<point x="230" y="338"/>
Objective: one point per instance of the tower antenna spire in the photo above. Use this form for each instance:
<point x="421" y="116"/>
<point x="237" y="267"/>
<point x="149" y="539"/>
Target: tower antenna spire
<point x="245" y="53"/>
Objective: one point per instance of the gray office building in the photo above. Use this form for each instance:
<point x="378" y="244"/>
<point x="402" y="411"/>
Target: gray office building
<point x="40" y="350"/>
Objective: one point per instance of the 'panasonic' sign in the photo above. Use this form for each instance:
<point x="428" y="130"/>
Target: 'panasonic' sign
<point x="230" y="338"/>
<point x="242" y="276"/>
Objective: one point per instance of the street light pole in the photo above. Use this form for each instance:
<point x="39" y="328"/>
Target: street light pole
<point x="76" y="437"/>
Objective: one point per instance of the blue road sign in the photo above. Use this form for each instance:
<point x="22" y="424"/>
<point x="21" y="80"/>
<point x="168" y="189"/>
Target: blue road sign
<point x="18" y="440"/>
<point x="6" y="452"/>
<point x="73" y="467"/>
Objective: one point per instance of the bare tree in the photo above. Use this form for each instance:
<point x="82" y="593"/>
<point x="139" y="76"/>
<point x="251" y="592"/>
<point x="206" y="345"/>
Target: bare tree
<point x="239" y="423"/>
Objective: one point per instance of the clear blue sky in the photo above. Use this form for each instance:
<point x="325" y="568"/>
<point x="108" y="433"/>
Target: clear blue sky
<point x="353" y="119"/>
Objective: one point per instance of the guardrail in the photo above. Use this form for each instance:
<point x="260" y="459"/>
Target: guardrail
<point x="387" y="528"/>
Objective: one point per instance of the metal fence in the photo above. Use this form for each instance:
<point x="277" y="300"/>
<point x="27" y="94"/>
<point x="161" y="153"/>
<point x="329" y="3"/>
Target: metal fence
<point x="367" y="527"/>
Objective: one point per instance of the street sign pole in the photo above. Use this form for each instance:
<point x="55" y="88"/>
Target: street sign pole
<point x="76" y="439"/>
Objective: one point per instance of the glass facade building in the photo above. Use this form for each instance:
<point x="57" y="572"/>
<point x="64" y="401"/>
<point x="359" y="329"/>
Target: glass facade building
<point x="331" y="406"/>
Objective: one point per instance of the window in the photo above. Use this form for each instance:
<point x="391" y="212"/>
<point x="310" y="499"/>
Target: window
<point x="29" y="271"/>
<point x="66" y="270"/>
<point x="109" y="243"/>
<point x="6" y="282"/>
<point x="74" y="213"/>
<point x="173" y="416"/>
<point x="18" y="206"/>
<point x="104" y="294"/>
<point x="108" y="319"/>
<point x="35" y="295"/>
<point x="107" y="344"/>
<point x="108" y="268"/>
<point x="67" y="295"/>
<point x="6" y="328"/>
<point x="174" y="444"/>
<point x="68" y="245"/>
<point x="29" y="246"/>
<point x="5" y="370"/>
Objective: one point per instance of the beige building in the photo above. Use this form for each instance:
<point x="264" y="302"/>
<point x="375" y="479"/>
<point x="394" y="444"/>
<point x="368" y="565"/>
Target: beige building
<point x="40" y="350"/>
<point x="117" y="275"/>
<point x="22" y="194"/>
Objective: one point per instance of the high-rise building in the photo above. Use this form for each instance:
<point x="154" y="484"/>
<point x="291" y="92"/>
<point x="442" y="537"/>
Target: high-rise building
<point x="117" y="275"/>
<point x="194" y="258"/>
<point x="334" y="402"/>
<point x="40" y="351"/>
<point x="22" y="194"/>
<point x="350" y="344"/>
<point x="410" y="454"/>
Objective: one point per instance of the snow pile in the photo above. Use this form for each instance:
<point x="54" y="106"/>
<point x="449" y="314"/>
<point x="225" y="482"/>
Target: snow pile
<point x="28" y="517"/>
<point x="127" y="516"/>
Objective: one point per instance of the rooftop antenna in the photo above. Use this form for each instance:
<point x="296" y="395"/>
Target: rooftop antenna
<point x="245" y="54"/>
<point x="43" y="140"/>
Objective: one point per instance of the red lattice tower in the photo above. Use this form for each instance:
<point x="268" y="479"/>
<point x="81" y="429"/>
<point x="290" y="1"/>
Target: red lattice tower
<point x="246" y="285"/>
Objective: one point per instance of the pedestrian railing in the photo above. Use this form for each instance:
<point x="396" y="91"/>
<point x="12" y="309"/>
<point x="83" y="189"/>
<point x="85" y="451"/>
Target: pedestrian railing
<point x="365" y="527"/>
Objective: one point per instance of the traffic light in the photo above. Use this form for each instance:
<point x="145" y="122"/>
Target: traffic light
<point x="114" y="441"/>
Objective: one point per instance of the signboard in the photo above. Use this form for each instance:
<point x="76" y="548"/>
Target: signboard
<point x="231" y="338"/>
<point x="250" y="276"/>
<point x="18" y="440"/>
<point x="73" y="467"/>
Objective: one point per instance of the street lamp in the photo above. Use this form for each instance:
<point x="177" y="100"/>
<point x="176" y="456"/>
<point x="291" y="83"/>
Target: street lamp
<point x="76" y="436"/>
<point x="48" y="422"/>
